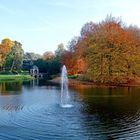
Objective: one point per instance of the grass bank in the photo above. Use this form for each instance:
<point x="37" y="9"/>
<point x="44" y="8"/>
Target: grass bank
<point x="15" y="77"/>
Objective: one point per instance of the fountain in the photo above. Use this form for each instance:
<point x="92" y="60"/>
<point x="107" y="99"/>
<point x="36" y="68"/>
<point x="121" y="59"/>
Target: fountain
<point x="65" y="97"/>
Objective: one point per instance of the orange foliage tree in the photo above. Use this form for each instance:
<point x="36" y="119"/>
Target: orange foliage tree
<point x="106" y="52"/>
<point x="5" y="48"/>
<point x="48" y="55"/>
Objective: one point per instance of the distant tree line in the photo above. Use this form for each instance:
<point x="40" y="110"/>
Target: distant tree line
<point x="105" y="52"/>
<point x="14" y="60"/>
<point x="50" y="63"/>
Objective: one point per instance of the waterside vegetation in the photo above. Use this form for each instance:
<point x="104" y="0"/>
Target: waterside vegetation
<point x="15" y="78"/>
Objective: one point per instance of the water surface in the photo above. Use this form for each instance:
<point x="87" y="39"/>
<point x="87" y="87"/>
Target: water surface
<point x="31" y="110"/>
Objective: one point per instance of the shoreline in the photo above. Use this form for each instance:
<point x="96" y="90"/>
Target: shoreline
<point x="86" y="84"/>
<point x="6" y="78"/>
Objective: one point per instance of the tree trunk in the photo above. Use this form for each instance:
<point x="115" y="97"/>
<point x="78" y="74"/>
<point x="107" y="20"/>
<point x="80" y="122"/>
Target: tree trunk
<point x="12" y="65"/>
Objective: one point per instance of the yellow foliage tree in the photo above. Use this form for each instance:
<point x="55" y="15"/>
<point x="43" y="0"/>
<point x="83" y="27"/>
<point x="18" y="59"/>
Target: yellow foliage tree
<point x="5" y="48"/>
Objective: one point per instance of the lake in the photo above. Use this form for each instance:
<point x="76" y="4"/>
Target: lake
<point x="32" y="111"/>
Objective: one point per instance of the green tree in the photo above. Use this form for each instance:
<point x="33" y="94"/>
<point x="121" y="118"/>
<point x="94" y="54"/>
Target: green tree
<point x="15" y="58"/>
<point x="59" y="51"/>
<point x="31" y="56"/>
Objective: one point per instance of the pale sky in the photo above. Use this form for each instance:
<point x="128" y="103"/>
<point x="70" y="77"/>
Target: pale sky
<point x="40" y="25"/>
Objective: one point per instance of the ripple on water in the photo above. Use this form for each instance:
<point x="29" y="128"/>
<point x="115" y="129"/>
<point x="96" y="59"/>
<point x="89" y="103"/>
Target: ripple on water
<point x="43" y="121"/>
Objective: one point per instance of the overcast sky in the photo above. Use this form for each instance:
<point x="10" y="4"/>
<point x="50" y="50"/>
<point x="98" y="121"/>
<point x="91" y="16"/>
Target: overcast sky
<point x="40" y="25"/>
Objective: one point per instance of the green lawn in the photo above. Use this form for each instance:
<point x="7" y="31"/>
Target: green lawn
<point x="15" y="77"/>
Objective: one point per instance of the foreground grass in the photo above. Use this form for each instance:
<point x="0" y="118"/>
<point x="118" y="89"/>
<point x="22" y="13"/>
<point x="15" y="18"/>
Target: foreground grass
<point x="15" y="77"/>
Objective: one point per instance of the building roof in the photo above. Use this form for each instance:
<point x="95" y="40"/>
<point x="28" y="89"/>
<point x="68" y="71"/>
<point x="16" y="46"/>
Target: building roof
<point x="34" y="67"/>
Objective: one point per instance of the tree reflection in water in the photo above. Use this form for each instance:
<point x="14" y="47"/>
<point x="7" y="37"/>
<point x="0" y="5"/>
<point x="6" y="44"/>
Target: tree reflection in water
<point x="8" y="88"/>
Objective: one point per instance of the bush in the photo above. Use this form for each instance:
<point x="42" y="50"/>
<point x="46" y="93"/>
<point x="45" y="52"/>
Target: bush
<point x="5" y="72"/>
<point x="15" y="72"/>
<point x="73" y="76"/>
<point x="24" y="72"/>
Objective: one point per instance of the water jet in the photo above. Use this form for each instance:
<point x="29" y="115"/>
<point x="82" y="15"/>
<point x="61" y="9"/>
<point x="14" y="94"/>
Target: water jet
<point x="65" y="97"/>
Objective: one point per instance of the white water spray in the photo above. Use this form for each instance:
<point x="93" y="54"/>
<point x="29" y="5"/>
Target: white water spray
<point x="65" y="97"/>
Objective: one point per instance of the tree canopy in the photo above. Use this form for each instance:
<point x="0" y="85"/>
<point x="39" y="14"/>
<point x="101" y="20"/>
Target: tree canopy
<point x="105" y="52"/>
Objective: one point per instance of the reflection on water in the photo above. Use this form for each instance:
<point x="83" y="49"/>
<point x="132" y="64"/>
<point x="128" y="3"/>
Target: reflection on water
<point x="34" y="82"/>
<point x="116" y="112"/>
<point x="31" y="110"/>
<point x="7" y="88"/>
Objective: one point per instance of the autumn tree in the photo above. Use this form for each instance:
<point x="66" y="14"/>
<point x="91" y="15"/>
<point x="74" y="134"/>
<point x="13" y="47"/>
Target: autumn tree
<point x="110" y="52"/>
<point x="5" y="48"/>
<point x="48" y="55"/>
<point x="69" y="58"/>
